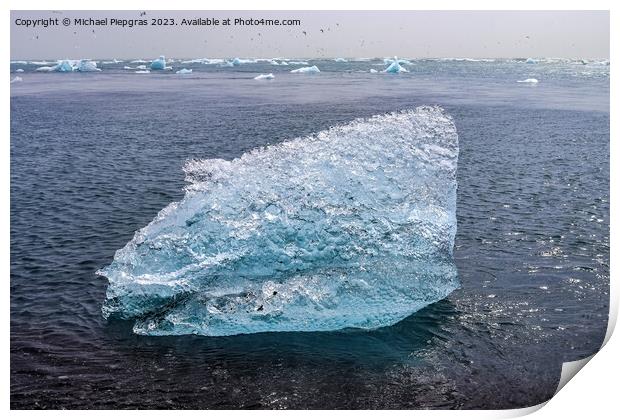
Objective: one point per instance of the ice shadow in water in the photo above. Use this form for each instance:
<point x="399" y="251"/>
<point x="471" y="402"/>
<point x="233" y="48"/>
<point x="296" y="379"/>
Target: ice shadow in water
<point x="368" y="348"/>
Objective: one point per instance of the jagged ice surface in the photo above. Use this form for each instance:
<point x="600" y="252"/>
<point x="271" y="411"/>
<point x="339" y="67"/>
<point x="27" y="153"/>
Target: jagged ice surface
<point x="351" y="227"/>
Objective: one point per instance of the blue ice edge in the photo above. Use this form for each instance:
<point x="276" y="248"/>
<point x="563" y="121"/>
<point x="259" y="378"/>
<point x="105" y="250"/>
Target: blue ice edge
<point x="353" y="226"/>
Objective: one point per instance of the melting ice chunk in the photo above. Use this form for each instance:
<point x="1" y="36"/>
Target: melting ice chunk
<point x="16" y="79"/>
<point x="264" y="76"/>
<point x="159" y="64"/>
<point x="311" y="69"/>
<point x="351" y="227"/>
<point x="184" y="71"/>
<point x="530" y="81"/>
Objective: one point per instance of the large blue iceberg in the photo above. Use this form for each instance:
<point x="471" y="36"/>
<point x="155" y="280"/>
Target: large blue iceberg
<point x="351" y="227"/>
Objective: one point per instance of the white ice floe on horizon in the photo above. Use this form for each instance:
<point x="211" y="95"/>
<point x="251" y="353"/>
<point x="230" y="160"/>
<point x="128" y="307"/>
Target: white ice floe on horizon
<point x="204" y="61"/>
<point x="19" y="71"/>
<point x="531" y="61"/>
<point x="529" y="81"/>
<point x="16" y="79"/>
<point x="340" y="60"/>
<point x="184" y="71"/>
<point x="275" y="63"/>
<point x="142" y="71"/>
<point x="299" y="63"/>
<point x="265" y="77"/>
<point x="388" y="61"/>
<point x="461" y="59"/>
<point x="312" y="69"/>
<point x="138" y="61"/>
<point x="373" y="71"/>
<point x="113" y="61"/>
<point x="239" y="61"/>
<point x="19" y="62"/>
<point x="159" y="64"/>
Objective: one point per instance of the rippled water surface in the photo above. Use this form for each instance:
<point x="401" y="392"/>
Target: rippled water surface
<point x="95" y="157"/>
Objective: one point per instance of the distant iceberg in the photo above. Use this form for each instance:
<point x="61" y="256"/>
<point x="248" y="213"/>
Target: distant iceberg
<point x="395" y="67"/>
<point x="299" y="63"/>
<point x="204" y="61"/>
<point x="340" y="60"/>
<point x="64" y="66"/>
<point x="68" y="66"/>
<point x="388" y="61"/>
<point x="312" y="69"/>
<point x="184" y="71"/>
<point x="532" y="81"/>
<point x="159" y="64"/>
<point x="87" y="65"/>
<point x="264" y="76"/>
<point x="531" y="61"/>
<point x="16" y="79"/>
<point x="238" y="61"/>
<point x="373" y="71"/>
<point x="139" y="61"/>
<point x="142" y="71"/>
<point x="19" y="71"/>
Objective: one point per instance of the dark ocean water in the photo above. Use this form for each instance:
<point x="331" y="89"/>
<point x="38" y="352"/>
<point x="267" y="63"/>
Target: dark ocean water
<point x="94" y="157"/>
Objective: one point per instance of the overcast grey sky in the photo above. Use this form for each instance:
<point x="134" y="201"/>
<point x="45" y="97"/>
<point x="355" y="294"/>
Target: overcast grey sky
<point x="571" y="34"/>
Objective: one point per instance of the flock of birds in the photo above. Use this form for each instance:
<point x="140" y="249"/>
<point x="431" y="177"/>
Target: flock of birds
<point x="319" y="50"/>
